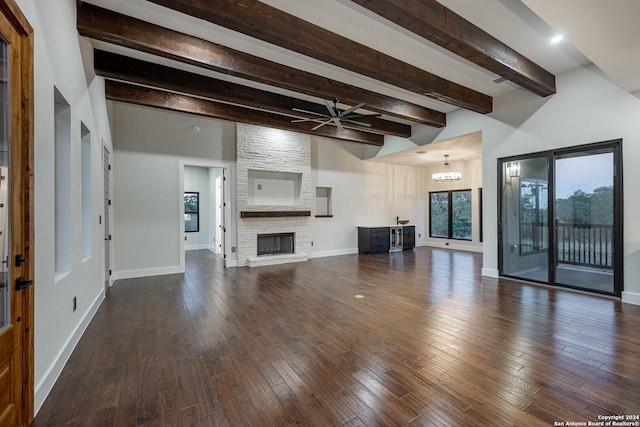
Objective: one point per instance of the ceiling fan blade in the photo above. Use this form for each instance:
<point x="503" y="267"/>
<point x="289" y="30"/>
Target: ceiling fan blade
<point x="306" y="120"/>
<point x="321" y="124"/>
<point x="352" y="109"/>
<point x="356" y="122"/>
<point x="336" y="120"/>
<point x="332" y="109"/>
<point x="309" y="112"/>
<point x="309" y="121"/>
<point x="357" y="116"/>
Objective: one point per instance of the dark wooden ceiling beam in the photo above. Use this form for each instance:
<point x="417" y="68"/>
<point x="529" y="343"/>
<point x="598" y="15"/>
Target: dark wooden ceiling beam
<point x="264" y="22"/>
<point x="133" y="94"/>
<point x="120" y="67"/>
<point x="111" y="27"/>
<point x="442" y="26"/>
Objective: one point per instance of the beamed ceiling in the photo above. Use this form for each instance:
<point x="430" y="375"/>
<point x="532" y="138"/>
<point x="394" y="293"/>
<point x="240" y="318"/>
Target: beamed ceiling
<point x="411" y="61"/>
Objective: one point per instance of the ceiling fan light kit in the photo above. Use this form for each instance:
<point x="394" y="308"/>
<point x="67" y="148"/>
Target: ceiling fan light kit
<point x="336" y="116"/>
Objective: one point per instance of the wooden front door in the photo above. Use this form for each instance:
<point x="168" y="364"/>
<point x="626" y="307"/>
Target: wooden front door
<point x="16" y="219"/>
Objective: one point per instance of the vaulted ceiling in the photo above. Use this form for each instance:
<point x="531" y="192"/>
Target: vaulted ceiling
<point x="254" y="61"/>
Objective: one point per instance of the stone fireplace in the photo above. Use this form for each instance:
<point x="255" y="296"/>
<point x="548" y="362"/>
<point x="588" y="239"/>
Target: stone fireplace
<point x="273" y="196"/>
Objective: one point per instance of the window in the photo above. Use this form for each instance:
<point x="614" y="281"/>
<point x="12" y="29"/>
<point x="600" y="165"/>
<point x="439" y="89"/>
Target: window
<point x="191" y="212"/>
<point x="450" y="214"/>
<point x="534" y="213"/>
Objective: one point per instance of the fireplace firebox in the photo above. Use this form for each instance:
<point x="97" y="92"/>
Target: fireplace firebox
<point x="276" y="244"/>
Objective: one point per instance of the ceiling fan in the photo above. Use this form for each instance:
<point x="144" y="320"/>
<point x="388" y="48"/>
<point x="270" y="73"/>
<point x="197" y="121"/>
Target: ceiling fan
<point x="335" y="116"/>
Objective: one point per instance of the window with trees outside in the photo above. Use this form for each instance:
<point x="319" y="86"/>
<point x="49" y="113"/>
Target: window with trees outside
<point x="534" y="216"/>
<point x="450" y="214"/>
<point x="191" y="212"/>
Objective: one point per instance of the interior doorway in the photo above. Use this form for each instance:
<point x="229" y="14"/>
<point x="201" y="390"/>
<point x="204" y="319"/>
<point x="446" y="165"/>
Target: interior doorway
<point x="204" y="208"/>
<point x="561" y="217"/>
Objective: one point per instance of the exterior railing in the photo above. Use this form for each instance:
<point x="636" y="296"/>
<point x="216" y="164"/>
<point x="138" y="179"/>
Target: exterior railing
<point x="588" y="245"/>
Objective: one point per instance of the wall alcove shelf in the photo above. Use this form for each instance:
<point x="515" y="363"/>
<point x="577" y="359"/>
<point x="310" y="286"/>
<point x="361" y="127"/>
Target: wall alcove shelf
<point x="272" y="214"/>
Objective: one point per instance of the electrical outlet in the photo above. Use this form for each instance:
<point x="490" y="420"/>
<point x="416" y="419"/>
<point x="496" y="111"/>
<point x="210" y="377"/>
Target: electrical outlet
<point x="75" y="303"/>
<point x="233" y="248"/>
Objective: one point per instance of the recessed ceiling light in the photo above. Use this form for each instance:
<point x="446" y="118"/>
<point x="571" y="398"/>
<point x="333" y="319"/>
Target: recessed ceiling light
<point x="359" y="296"/>
<point x="557" y="39"/>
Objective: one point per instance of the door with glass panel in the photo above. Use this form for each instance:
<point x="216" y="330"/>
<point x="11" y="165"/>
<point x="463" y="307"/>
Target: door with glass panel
<point x="524" y="218"/>
<point x="585" y="220"/>
<point x="16" y="220"/>
<point x="561" y="217"/>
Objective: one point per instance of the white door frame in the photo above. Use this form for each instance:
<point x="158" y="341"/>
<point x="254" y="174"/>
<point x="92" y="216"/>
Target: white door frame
<point x="107" y="218"/>
<point x="226" y="209"/>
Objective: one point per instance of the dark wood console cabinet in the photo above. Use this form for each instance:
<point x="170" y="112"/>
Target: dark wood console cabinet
<point x="373" y="240"/>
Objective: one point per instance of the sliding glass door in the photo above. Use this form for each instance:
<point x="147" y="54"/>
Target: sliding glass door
<point x="525" y="218"/>
<point x="584" y="220"/>
<point x="561" y="218"/>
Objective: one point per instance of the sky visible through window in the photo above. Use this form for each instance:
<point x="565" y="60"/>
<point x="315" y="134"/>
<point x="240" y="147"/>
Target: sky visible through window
<point x="584" y="173"/>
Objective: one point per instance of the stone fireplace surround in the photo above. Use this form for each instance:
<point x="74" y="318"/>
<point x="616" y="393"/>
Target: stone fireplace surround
<point x="266" y="149"/>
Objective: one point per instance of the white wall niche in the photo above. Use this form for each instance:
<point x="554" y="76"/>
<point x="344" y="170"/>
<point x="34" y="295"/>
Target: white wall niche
<point x="323" y="202"/>
<point x="62" y="179"/>
<point x="85" y="175"/>
<point x="273" y="188"/>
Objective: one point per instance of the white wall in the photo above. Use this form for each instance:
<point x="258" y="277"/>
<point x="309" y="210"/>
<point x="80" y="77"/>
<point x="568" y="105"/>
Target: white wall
<point x="197" y="179"/>
<point x="363" y="194"/>
<point x="59" y="62"/>
<point x="149" y="146"/>
<point x="587" y="108"/>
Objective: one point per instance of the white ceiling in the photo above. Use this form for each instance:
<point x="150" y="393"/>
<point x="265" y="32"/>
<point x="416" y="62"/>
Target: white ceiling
<point x="603" y="30"/>
<point x="607" y="32"/>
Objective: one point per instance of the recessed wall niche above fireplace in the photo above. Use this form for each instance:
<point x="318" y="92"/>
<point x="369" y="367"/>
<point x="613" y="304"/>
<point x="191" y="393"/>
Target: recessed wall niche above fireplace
<point x="276" y="244"/>
<point x="269" y="188"/>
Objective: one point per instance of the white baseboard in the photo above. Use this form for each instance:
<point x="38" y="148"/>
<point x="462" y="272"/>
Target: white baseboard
<point x="631" y="297"/>
<point x="147" y="272"/>
<point x="212" y="248"/>
<point x="44" y="386"/>
<point x="452" y="245"/>
<point x="335" y="252"/>
<point x="197" y="247"/>
<point x="490" y="272"/>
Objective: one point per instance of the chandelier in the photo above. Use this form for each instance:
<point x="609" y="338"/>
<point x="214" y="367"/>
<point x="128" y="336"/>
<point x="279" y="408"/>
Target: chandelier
<point x="447" y="174"/>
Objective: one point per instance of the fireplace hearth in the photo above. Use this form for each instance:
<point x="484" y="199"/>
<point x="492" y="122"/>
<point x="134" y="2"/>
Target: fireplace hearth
<point x="276" y="244"/>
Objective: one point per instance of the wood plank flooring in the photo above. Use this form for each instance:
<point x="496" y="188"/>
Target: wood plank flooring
<point x="430" y="344"/>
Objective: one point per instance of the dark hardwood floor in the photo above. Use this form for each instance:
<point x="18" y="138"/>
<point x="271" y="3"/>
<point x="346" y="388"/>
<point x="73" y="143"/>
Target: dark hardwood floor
<point x="430" y="344"/>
